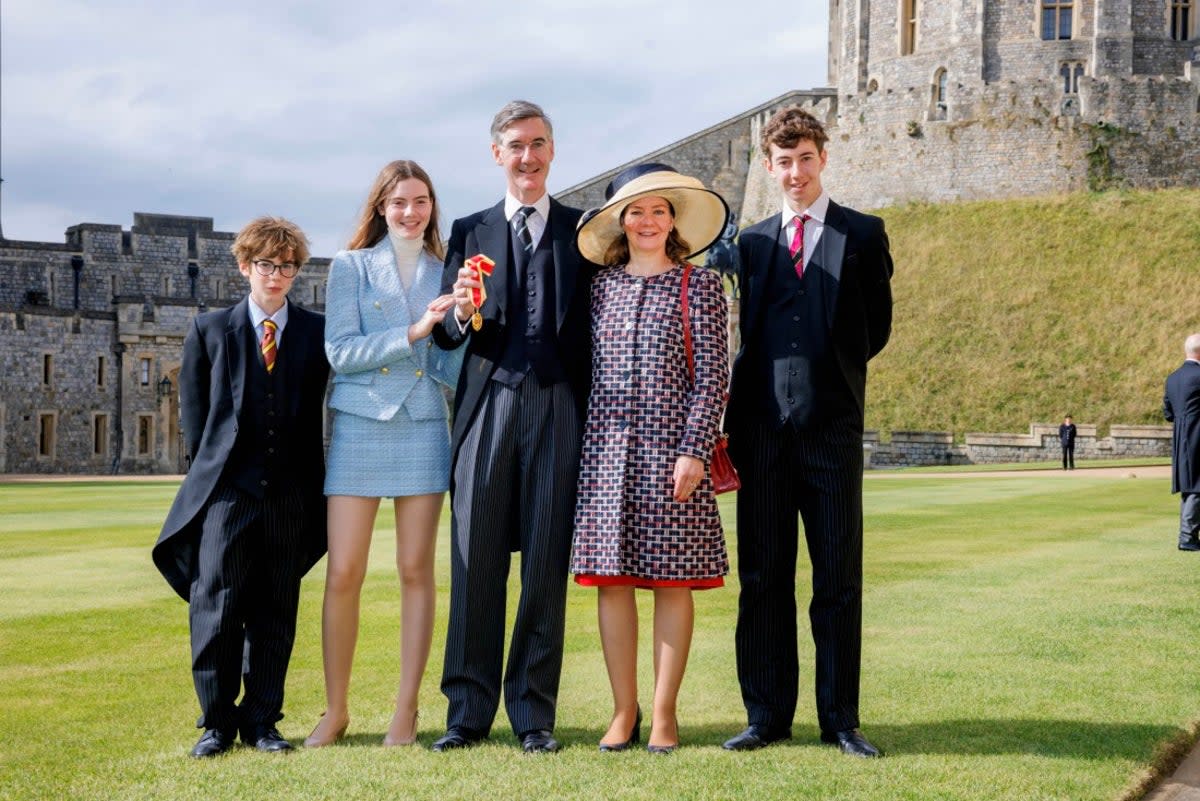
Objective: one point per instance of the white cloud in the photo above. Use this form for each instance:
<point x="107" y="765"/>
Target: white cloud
<point x="230" y="109"/>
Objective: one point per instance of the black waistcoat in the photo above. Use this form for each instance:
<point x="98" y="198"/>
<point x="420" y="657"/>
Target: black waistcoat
<point x="806" y="387"/>
<point x="261" y="461"/>
<point x="531" y="339"/>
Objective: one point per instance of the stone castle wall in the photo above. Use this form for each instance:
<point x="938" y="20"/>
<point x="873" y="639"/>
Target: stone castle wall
<point x="110" y="308"/>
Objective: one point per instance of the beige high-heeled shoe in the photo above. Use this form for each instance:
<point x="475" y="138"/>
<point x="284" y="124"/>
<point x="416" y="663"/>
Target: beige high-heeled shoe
<point x="313" y="741"/>
<point x="387" y="738"/>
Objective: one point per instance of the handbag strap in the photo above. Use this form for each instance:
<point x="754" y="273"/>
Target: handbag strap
<point x="687" y="325"/>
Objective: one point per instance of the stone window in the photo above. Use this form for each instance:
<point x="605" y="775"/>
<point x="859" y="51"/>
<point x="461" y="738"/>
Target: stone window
<point x="116" y="284"/>
<point x="166" y="285"/>
<point x="1070" y="72"/>
<point x="144" y="371"/>
<point x="47" y="370"/>
<point x="1058" y="18"/>
<point x="145" y="434"/>
<point x="47" y="434"/>
<point x="316" y="292"/>
<point x="101" y="369"/>
<point x="937" y="110"/>
<point x="1183" y="20"/>
<point x="218" y="289"/>
<point x="99" y="434"/>
<point x="908" y="27"/>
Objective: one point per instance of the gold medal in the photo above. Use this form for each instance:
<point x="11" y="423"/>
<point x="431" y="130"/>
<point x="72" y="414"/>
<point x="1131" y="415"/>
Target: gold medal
<point x="477" y="320"/>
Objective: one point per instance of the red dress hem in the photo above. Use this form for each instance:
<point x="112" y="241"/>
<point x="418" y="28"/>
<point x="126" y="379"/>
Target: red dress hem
<point x="593" y="580"/>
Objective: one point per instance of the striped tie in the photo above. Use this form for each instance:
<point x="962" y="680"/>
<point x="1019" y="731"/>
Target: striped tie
<point x="268" y="344"/>
<point x="520" y="223"/>
<point x="797" y="247"/>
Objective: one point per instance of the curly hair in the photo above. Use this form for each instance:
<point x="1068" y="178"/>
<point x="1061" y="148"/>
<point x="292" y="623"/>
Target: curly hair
<point x="790" y="126"/>
<point x="270" y="237"/>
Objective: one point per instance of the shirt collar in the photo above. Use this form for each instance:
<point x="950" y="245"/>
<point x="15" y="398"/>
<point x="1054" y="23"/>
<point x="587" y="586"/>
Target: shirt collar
<point x="541" y="205"/>
<point x="257" y="315"/>
<point x="816" y="211"/>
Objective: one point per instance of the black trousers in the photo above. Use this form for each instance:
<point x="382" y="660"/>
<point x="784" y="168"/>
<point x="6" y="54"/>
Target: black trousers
<point x="242" y="611"/>
<point x="1068" y="456"/>
<point x="1189" y="517"/>
<point x="815" y="475"/>
<point x="514" y="489"/>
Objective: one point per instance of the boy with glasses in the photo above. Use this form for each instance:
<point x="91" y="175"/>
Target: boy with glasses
<point x="249" y="519"/>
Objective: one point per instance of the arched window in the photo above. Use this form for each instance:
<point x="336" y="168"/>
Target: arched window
<point x="908" y="27"/>
<point x="1057" y="19"/>
<point x="1070" y="72"/>
<point x="937" y="107"/>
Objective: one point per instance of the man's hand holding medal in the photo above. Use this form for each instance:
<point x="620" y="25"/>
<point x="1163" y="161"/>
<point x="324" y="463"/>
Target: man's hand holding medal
<point x="469" y="289"/>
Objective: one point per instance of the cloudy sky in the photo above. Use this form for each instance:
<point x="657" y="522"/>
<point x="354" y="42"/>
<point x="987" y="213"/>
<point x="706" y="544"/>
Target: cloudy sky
<point x="233" y="109"/>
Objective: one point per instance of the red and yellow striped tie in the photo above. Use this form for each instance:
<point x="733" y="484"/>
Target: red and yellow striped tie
<point x="268" y="344"/>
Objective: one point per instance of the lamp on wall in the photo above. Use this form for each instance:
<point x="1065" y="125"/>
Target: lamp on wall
<point x="164" y="388"/>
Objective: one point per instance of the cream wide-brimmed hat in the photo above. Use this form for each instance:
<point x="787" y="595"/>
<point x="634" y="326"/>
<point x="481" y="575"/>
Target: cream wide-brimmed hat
<point x="700" y="213"/>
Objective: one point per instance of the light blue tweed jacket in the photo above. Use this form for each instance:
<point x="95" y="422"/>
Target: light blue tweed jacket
<point x="367" y="315"/>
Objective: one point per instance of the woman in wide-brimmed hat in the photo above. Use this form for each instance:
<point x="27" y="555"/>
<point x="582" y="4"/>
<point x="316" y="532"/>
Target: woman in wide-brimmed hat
<point x="646" y="515"/>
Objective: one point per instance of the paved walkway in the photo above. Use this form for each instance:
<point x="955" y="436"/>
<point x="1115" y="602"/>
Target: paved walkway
<point x="1183" y="784"/>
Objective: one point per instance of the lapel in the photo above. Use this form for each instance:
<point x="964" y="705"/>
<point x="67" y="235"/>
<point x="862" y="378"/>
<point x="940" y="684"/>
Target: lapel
<point x="239" y="339"/>
<point x="491" y="239"/>
<point x="562" y="240"/>
<point x="829" y="255"/>
<point x="292" y="356"/>
<point x="382" y="273"/>
<point x="764" y="250"/>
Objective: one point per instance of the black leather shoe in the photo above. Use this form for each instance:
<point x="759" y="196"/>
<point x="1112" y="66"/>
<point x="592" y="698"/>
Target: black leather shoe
<point x="755" y="737"/>
<point x="214" y="742"/>
<point x="538" y="741"/>
<point x="265" y="738"/>
<point x="456" y="737"/>
<point x="635" y="736"/>
<point x="852" y="742"/>
<point x="1187" y="543"/>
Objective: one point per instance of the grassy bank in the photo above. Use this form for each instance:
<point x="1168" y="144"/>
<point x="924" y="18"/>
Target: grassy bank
<point x="1010" y="312"/>
<point x="1024" y="639"/>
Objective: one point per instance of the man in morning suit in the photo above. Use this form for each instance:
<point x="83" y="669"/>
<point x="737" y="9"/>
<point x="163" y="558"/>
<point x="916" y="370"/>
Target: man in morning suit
<point x="1181" y="406"/>
<point x="517" y="431"/>
<point x="249" y="520"/>
<point x="816" y="305"/>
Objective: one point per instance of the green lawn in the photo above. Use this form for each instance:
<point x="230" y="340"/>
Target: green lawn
<point x="1024" y="639"/>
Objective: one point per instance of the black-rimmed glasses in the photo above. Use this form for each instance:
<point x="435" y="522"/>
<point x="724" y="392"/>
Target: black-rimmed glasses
<point x="264" y="268"/>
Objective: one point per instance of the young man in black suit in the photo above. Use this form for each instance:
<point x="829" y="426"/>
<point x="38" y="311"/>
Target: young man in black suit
<point x="1066" y="438"/>
<point x="249" y="520"/>
<point x="518" y="416"/>
<point x="816" y="305"/>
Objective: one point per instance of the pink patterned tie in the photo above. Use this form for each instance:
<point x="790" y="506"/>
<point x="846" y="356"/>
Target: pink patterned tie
<point x="797" y="246"/>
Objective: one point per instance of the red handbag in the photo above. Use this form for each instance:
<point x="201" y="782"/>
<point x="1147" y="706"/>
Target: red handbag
<point x="720" y="469"/>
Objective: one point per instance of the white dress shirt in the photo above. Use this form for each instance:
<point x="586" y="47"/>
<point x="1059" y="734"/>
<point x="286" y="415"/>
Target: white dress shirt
<point x="536" y="222"/>
<point x="813" y="228"/>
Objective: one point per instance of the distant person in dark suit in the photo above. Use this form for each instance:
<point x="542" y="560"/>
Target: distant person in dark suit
<point x="1181" y="405"/>
<point x="1066" y="438"/>
<point x="816" y="305"/>
<point x="249" y="520"/>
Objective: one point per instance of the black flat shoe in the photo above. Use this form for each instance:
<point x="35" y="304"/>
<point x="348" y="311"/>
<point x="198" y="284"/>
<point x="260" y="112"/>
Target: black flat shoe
<point x="214" y="742"/>
<point x="755" y="737"/>
<point x="538" y="741"/>
<point x="852" y="742"/>
<point x="456" y="737"/>
<point x="662" y="750"/>
<point x="635" y="736"/>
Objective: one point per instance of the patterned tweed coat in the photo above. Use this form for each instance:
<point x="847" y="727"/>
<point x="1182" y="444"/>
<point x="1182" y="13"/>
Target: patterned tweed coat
<point x="643" y="413"/>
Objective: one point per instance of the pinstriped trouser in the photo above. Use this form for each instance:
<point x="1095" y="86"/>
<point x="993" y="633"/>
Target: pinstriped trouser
<point x="514" y="487"/>
<point x="818" y="475"/>
<point x="243" y="605"/>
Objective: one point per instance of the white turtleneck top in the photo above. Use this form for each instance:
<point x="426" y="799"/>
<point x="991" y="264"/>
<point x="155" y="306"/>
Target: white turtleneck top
<point x="407" y="251"/>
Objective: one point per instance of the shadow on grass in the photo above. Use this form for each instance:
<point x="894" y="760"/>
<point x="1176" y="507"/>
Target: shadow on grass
<point x="1071" y="739"/>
